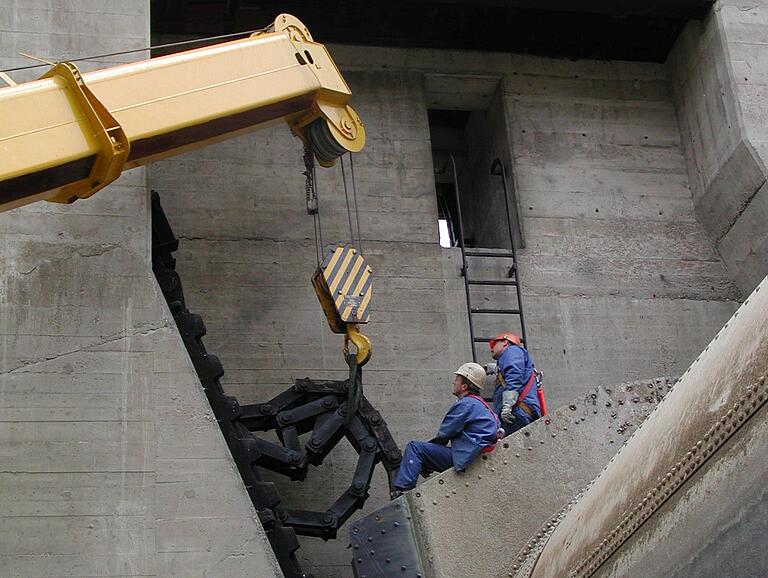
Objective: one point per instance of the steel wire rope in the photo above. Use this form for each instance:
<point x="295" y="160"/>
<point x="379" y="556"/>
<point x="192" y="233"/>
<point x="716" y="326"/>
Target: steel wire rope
<point x="346" y="198"/>
<point x="153" y="47"/>
<point x="354" y="195"/>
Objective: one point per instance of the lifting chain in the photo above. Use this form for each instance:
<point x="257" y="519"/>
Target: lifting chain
<point x="313" y="206"/>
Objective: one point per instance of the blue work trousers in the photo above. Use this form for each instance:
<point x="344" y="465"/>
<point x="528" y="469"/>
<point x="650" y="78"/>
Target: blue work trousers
<point x="522" y="419"/>
<point x="418" y="457"/>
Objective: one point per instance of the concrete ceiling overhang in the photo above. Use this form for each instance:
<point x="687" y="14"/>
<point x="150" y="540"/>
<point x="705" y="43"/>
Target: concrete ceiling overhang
<point x="641" y="30"/>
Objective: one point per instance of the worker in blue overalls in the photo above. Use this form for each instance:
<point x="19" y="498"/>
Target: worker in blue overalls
<point x="515" y="398"/>
<point x="470" y="426"/>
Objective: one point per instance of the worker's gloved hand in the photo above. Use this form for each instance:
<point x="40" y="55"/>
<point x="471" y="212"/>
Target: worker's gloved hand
<point x="508" y="400"/>
<point x="506" y="415"/>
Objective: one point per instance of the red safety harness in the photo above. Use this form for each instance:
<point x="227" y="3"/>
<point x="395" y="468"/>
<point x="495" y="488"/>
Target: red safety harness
<point x="523" y="394"/>
<point x="526" y="390"/>
<point x="490" y="448"/>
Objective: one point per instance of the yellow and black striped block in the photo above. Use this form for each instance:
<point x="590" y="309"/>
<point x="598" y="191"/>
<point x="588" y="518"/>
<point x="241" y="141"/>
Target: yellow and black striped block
<point x="344" y="286"/>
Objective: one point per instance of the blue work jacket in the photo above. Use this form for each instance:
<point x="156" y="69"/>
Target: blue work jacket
<point x="515" y="368"/>
<point x="470" y="427"/>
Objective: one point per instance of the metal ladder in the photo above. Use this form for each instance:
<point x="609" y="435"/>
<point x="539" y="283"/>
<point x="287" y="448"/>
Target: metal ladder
<point x="497" y="169"/>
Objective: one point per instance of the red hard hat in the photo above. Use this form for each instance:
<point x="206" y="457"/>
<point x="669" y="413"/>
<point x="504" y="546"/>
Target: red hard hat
<point x="511" y="337"/>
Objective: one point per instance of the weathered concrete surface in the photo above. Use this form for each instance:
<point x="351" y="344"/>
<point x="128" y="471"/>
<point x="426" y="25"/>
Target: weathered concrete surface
<point x="111" y="462"/>
<point x="484" y="210"/>
<point x="724" y="390"/>
<point x="721" y="95"/>
<point x="543" y="466"/>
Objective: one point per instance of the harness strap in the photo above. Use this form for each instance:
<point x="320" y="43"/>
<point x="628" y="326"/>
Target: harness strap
<point x="491" y="447"/>
<point x="524" y="406"/>
<point x="524" y="393"/>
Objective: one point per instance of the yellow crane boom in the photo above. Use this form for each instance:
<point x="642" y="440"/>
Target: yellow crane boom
<point x="66" y="135"/>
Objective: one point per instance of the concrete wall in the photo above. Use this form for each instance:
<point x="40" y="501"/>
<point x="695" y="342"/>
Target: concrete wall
<point x="721" y="94"/>
<point x="484" y="211"/>
<point x="614" y="255"/>
<point x="248" y="251"/>
<point x="620" y="280"/>
<point x="112" y="463"/>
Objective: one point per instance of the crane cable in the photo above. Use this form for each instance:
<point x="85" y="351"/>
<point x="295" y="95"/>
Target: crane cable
<point x="46" y="62"/>
<point x="313" y="201"/>
<point x="346" y="196"/>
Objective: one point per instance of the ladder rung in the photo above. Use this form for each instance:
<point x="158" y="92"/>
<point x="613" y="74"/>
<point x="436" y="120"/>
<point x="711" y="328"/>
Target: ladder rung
<point x="505" y="254"/>
<point x="500" y="311"/>
<point x="484" y="282"/>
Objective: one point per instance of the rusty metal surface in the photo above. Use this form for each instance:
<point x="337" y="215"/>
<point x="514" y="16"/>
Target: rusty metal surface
<point x="383" y="544"/>
<point x="473" y="524"/>
<point x="716" y="525"/>
<point x="723" y="389"/>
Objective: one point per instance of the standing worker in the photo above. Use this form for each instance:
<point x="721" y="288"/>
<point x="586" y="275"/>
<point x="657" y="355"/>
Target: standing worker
<point x="515" y="398"/>
<point x="470" y="426"/>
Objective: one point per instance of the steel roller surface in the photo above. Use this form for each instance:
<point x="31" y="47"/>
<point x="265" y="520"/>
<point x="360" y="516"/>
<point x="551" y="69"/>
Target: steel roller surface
<point x="686" y="496"/>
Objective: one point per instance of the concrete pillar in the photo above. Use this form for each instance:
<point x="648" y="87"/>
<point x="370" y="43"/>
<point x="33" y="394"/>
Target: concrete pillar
<point x="112" y="462"/>
<point x="720" y="91"/>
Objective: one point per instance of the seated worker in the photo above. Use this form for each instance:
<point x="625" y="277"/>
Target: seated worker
<point x="515" y="399"/>
<point x="470" y="426"/>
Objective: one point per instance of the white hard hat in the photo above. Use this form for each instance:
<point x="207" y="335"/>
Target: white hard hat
<point x="474" y="372"/>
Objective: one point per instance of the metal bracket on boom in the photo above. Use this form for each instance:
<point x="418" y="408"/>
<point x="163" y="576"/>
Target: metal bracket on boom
<point x="114" y="145"/>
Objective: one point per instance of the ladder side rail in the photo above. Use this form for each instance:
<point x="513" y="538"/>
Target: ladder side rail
<point x="503" y="175"/>
<point x="464" y="266"/>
